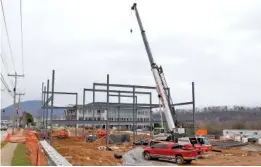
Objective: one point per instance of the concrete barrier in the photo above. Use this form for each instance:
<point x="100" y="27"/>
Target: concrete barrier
<point x="244" y="140"/>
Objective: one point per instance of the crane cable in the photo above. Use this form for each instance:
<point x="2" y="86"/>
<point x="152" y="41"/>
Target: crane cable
<point x="7" y="35"/>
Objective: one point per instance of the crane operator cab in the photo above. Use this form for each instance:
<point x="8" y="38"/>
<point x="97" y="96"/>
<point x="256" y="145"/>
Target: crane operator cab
<point x="158" y="131"/>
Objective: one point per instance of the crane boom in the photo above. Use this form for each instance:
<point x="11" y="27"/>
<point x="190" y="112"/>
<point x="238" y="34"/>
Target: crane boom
<point x="159" y="79"/>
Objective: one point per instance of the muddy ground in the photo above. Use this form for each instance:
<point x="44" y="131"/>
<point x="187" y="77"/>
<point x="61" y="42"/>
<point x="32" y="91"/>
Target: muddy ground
<point x="79" y="152"/>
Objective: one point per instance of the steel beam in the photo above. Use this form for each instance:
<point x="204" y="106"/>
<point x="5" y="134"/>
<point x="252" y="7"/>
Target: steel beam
<point x="116" y="91"/>
<point x="55" y="107"/>
<point x="100" y="122"/>
<point x="127" y="86"/>
<point x="64" y="93"/>
<point x="181" y="104"/>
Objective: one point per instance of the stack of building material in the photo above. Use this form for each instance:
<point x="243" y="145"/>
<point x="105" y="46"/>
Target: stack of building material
<point x="119" y="138"/>
<point x="237" y="138"/>
<point x="228" y="144"/>
<point x="90" y="138"/>
<point x="259" y="141"/>
<point x="244" y="140"/>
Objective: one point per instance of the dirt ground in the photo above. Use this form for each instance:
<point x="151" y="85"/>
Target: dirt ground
<point x="234" y="156"/>
<point x="79" y="152"/>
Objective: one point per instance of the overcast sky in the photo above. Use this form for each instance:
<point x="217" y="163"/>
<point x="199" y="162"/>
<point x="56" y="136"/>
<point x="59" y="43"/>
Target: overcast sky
<point x="216" y="44"/>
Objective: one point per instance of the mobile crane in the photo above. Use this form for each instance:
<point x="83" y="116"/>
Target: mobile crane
<point x="168" y="107"/>
<point x="161" y="84"/>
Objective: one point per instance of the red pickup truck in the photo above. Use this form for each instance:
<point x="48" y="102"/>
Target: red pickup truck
<point x="169" y="150"/>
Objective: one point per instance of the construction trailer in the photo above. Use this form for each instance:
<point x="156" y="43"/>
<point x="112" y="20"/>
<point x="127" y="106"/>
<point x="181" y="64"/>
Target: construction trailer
<point x="232" y="133"/>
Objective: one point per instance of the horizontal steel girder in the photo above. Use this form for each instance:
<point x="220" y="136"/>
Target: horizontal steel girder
<point x="74" y="122"/>
<point x="62" y="93"/>
<point x="116" y="91"/>
<point x="126" y="86"/>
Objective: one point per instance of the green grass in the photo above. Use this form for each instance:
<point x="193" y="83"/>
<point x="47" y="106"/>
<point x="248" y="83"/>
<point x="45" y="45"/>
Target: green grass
<point x="3" y="143"/>
<point x="20" y="158"/>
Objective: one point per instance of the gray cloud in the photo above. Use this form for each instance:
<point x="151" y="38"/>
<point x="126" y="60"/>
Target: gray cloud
<point x="216" y="44"/>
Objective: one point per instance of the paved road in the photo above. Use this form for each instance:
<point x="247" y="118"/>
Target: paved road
<point x="135" y="158"/>
<point x="7" y="153"/>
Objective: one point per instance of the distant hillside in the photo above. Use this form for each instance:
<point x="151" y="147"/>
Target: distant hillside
<point x="32" y="106"/>
<point x="215" y="119"/>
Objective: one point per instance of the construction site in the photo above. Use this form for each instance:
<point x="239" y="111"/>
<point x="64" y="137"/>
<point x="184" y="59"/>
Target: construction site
<point x="118" y="124"/>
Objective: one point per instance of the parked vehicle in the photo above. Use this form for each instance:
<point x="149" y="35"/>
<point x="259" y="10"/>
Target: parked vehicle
<point x="3" y="127"/>
<point x="170" y="150"/>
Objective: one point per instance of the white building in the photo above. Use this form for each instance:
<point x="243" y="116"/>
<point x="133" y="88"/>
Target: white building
<point x="98" y="112"/>
<point x="242" y="132"/>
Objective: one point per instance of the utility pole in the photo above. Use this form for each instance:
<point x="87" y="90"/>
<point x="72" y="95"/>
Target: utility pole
<point x="18" y="110"/>
<point x="14" y="115"/>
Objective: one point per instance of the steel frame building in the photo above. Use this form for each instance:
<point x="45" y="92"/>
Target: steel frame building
<point x="133" y="107"/>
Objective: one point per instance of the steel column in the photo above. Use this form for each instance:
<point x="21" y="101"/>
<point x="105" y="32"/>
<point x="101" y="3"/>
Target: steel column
<point x="53" y="78"/>
<point x="133" y="105"/>
<point x="119" y="101"/>
<point x="136" y="115"/>
<point x="150" y="117"/>
<point x="43" y="116"/>
<point x="83" y="110"/>
<point x="107" y="114"/>
<point x="193" y="100"/>
<point x="93" y="100"/>
<point x="76" y="105"/>
<point x="46" y="116"/>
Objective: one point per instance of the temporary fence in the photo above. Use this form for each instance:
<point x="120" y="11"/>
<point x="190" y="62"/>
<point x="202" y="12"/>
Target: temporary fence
<point x="36" y="154"/>
<point x="7" y="137"/>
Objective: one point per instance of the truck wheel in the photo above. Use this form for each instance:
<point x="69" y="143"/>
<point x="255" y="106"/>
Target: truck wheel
<point x="188" y="161"/>
<point x="179" y="160"/>
<point x="147" y="156"/>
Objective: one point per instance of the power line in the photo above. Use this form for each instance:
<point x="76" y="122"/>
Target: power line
<point x="5" y="64"/>
<point x="7" y="34"/>
<point x="5" y="67"/>
<point x="5" y="84"/>
<point x="22" y="35"/>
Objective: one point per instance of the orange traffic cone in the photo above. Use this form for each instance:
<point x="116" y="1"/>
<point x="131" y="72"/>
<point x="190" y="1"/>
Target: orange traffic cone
<point x="8" y="138"/>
